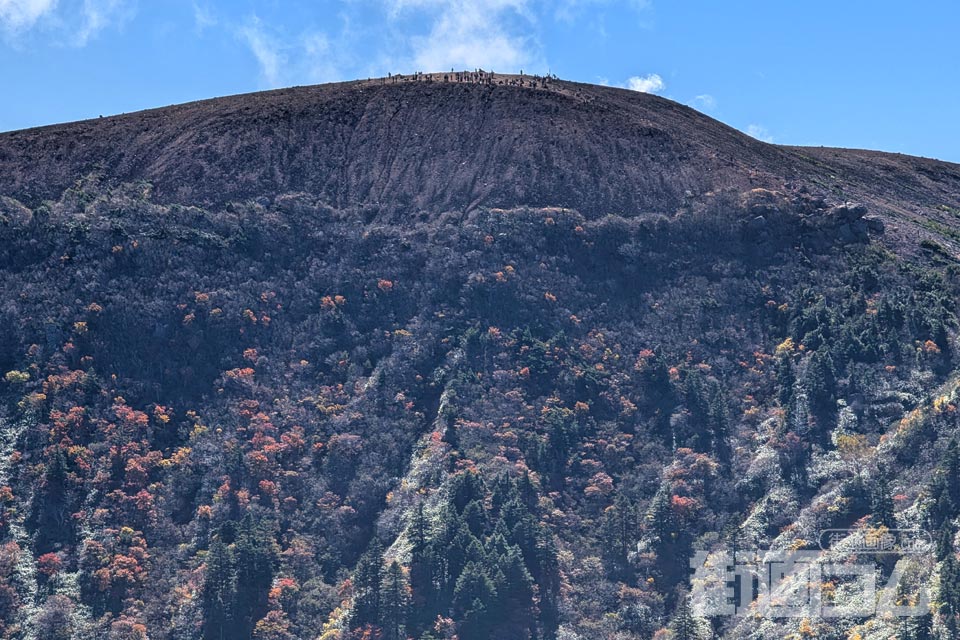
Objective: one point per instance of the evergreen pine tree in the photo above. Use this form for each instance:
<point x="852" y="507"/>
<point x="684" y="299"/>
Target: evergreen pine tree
<point x="419" y="528"/>
<point x="423" y="590"/>
<point x="526" y="492"/>
<point x="51" y="507"/>
<point x="950" y="593"/>
<point x="475" y="517"/>
<point x="466" y="487"/>
<point x="820" y="384"/>
<point x="393" y="603"/>
<point x="515" y="592"/>
<point x="684" y="624"/>
<point x="618" y="533"/>
<point x="463" y="547"/>
<point x="660" y="519"/>
<point x="695" y="397"/>
<point x="945" y="487"/>
<point x="502" y="492"/>
<point x="941" y="339"/>
<point x="944" y="540"/>
<point x="659" y="396"/>
<point x="217" y="595"/>
<point x="786" y="380"/>
<point x="367" y="585"/>
<point x="548" y="582"/>
<point x="881" y="502"/>
<point x="255" y="558"/>
<point x="719" y="424"/>
<point x="474" y="597"/>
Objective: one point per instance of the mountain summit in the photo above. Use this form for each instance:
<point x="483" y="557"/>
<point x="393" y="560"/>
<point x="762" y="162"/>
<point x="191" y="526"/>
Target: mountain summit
<point x="449" y="142"/>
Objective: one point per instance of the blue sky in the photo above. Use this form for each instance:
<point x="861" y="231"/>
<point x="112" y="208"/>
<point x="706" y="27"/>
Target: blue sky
<point x="853" y="73"/>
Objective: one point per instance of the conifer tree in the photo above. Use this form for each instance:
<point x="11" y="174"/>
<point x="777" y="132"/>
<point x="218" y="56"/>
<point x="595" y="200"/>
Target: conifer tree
<point x="684" y="624"/>
<point x="515" y="592"/>
<point x="51" y="507"/>
<point x="699" y="436"/>
<point x="619" y="530"/>
<point x="423" y="598"/>
<point x="944" y="540"/>
<point x="945" y="487"/>
<point x="660" y="519"/>
<point x="475" y="516"/>
<point x="526" y="492"/>
<point x="786" y="380"/>
<point x="719" y="424"/>
<point x="474" y="602"/>
<point x="548" y="583"/>
<point x="255" y="558"/>
<point x="466" y="487"/>
<point x="820" y="384"/>
<point x="393" y="603"/>
<point x="881" y="502"/>
<point x="950" y="592"/>
<point x="367" y="585"/>
<point x="218" y="592"/>
<point x="659" y="395"/>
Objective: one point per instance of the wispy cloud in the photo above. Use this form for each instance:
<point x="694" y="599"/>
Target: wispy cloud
<point x="203" y="17"/>
<point x="651" y="83"/>
<point x="17" y="15"/>
<point x="410" y="35"/>
<point x="73" y="22"/>
<point x="759" y="132"/>
<point x="466" y="34"/>
<point x="97" y="15"/>
<point x="704" y="102"/>
<point x="319" y="58"/>
<point x="265" y="49"/>
<point x="571" y="10"/>
<point x="285" y="59"/>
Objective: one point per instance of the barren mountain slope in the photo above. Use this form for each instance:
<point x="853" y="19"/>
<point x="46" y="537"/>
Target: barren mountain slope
<point x="407" y="146"/>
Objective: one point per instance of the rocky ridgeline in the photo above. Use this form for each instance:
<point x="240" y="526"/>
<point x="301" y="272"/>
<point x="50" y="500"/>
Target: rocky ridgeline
<point x="820" y="224"/>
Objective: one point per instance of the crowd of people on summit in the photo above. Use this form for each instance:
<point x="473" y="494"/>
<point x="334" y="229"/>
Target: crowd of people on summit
<point x="477" y="76"/>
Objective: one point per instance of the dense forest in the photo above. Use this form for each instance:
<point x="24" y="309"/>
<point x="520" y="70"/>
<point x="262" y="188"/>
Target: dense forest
<point x="278" y="418"/>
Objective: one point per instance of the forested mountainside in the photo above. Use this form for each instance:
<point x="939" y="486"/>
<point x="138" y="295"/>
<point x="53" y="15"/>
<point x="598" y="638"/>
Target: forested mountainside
<point x="439" y="359"/>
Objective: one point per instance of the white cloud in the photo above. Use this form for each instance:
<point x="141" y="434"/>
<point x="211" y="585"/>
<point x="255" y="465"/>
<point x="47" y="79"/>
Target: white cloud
<point x="74" y="22"/>
<point x="416" y="35"/>
<point x="265" y="49"/>
<point x="465" y="34"/>
<point x="96" y="16"/>
<point x="17" y="15"/>
<point x="203" y="17"/>
<point x="759" y="132"/>
<point x="319" y="58"/>
<point x="570" y="10"/>
<point x="285" y="59"/>
<point x="652" y="83"/>
<point x="704" y="102"/>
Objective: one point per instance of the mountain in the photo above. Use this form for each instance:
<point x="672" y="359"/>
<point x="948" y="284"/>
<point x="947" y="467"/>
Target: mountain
<point x="465" y="355"/>
<point x="402" y="146"/>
